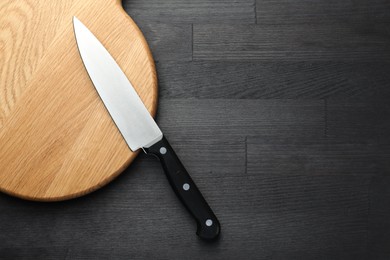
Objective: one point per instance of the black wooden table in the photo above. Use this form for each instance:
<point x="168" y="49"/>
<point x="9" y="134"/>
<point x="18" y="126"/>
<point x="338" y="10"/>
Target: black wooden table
<point x="280" y="111"/>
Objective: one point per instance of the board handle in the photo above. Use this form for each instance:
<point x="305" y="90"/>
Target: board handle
<point x="208" y="227"/>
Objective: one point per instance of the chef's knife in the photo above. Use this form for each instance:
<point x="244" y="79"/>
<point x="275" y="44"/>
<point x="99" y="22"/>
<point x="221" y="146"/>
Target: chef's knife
<point x="137" y="126"/>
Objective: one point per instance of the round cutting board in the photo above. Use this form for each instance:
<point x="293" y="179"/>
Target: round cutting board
<point x="57" y="141"/>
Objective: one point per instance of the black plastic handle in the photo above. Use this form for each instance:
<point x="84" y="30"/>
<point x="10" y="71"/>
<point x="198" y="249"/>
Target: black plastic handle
<point x="185" y="188"/>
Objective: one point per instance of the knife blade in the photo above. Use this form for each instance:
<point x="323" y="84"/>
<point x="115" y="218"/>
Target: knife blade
<point x="138" y="127"/>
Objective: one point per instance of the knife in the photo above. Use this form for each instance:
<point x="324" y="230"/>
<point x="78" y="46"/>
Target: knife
<point x="138" y="127"/>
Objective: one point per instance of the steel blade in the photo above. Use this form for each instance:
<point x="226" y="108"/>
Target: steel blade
<point x="126" y="108"/>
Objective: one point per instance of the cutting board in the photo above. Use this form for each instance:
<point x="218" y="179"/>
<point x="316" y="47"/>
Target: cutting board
<point x="57" y="141"/>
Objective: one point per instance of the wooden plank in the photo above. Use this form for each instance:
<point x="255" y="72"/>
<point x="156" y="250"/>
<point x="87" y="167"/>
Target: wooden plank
<point x="311" y="157"/>
<point x="197" y="11"/>
<point x="237" y="118"/>
<point x="361" y="12"/>
<point x="310" y="192"/>
<point x="358" y="120"/>
<point x="32" y="252"/>
<point x="268" y="80"/>
<point x="379" y="221"/>
<point x="169" y="42"/>
<point x="289" y="42"/>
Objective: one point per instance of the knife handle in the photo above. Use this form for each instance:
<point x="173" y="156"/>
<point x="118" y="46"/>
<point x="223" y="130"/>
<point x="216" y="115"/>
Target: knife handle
<point x="208" y="226"/>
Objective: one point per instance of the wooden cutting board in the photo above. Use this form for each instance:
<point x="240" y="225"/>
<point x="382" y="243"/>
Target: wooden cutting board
<point x="57" y="141"/>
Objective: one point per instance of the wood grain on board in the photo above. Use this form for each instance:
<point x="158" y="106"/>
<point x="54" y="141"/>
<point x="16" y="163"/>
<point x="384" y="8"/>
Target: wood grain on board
<point x="57" y="139"/>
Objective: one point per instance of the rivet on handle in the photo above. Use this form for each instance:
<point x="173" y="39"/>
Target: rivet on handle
<point x="163" y="150"/>
<point x="186" y="186"/>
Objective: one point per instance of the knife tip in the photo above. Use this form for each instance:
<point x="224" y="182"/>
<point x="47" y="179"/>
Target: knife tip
<point x="75" y="20"/>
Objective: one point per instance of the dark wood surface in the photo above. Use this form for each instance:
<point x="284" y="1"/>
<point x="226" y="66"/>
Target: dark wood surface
<point x="280" y="112"/>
